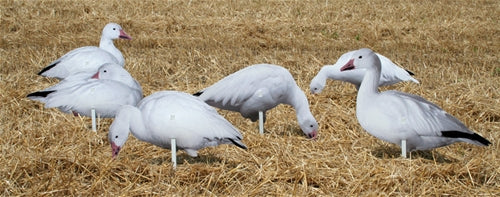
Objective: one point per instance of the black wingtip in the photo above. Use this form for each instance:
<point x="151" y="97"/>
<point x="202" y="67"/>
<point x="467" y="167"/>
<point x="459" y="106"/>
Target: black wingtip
<point x="474" y="136"/>
<point x="238" y="144"/>
<point x="40" y="93"/>
<point x="48" y="68"/>
<point x="198" y="93"/>
<point x="409" y="72"/>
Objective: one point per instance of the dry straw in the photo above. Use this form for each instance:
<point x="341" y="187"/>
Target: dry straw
<point x="452" y="46"/>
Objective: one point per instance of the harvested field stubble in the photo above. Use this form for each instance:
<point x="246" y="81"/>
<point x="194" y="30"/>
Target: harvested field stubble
<point x="451" y="46"/>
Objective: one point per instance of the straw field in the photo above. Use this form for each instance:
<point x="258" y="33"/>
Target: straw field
<point x="452" y="46"/>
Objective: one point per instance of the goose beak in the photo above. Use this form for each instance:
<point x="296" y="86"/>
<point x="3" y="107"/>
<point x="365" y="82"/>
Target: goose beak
<point x="313" y="135"/>
<point x="124" y="35"/>
<point x="95" y="76"/>
<point x="115" y="150"/>
<point x="348" y="66"/>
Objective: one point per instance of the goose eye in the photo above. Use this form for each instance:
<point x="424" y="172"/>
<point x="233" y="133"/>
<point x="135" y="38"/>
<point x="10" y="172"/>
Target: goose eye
<point x="311" y="126"/>
<point x="105" y="71"/>
<point x="114" y="28"/>
<point x="116" y="136"/>
<point x="360" y="57"/>
<point x="315" y="88"/>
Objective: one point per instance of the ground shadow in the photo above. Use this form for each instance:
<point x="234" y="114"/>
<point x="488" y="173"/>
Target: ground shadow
<point x="183" y="158"/>
<point x="385" y="152"/>
<point x="289" y="131"/>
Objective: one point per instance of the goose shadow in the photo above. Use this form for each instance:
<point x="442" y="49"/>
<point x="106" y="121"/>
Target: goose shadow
<point x="183" y="158"/>
<point x="289" y="131"/>
<point x="393" y="152"/>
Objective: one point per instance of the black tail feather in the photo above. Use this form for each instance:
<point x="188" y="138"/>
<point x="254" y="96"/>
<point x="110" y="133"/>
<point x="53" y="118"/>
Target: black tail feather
<point x="238" y="144"/>
<point x="40" y="93"/>
<point x="474" y="136"/>
<point x="409" y="72"/>
<point x="48" y="68"/>
<point x="198" y="93"/>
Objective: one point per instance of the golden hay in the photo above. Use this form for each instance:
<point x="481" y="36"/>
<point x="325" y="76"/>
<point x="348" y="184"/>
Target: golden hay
<point x="452" y="46"/>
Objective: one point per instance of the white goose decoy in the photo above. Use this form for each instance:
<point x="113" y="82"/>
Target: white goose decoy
<point x="402" y="118"/>
<point x="391" y="73"/>
<point x="168" y="115"/>
<point x="258" y="88"/>
<point x="88" y="59"/>
<point x="111" y="87"/>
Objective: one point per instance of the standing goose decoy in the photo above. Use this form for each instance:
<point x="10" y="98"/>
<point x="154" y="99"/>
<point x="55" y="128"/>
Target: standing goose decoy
<point x="111" y="87"/>
<point x="404" y="119"/>
<point x="88" y="59"/>
<point x="258" y="88"/>
<point x="168" y="115"/>
<point x="390" y="74"/>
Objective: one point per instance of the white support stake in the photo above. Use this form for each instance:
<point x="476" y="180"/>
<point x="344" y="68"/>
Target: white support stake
<point x="403" y="148"/>
<point x="261" y="122"/>
<point x="92" y="114"/>
<point x="173" y="148"/>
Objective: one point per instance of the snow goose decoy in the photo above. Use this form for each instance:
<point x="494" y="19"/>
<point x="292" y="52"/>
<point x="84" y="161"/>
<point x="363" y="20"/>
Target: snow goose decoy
<point x="88" y="59"/>
<point x="255" y="89"/>
<point x="404" y="119"/>
<point x="391" y="73"/>
<point x="168" y="115"/>
<point x="111" y="87"/>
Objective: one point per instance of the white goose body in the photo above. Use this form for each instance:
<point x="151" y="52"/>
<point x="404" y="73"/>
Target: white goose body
<point x="110" y="88"/>
<point x="88" y="59"/>
<point x="395" y="116"/>
<point x="261" y="87"/>
<point x="390" y="74"/>
<point x="176" y="115"/>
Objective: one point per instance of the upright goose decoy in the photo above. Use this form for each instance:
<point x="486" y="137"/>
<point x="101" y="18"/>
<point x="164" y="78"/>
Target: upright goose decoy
<point x="106" y="91"/>
<point x="390" y="73"/>
<point x="168" y="115"/>
<point x="88" y="59"/>
<point x="259" y="88"/>
<point x="404" y="119"/>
